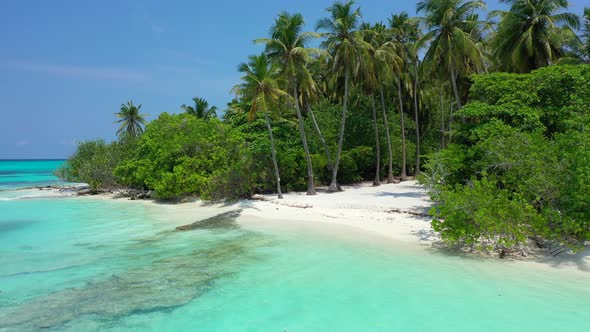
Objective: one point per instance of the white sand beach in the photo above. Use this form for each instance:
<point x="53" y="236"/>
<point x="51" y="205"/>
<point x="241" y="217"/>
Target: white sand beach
<point x="396" y="211"/>
<point x="392" y="211"/>
<point x="394" y="214"/>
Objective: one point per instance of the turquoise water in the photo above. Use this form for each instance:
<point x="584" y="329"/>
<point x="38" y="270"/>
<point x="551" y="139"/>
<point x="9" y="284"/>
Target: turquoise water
<point x="26" y="173"/>
<point x="82" y="264"/>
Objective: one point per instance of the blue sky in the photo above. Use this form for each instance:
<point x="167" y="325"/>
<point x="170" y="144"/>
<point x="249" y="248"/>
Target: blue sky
<point x="66" y="66"/>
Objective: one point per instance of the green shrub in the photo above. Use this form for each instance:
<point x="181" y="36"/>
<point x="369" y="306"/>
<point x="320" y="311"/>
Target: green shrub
<point x="94" y="162"/>
<point x="481" y="214"/>
<point x="518" y="168"/>
<point x="181" y="155"/>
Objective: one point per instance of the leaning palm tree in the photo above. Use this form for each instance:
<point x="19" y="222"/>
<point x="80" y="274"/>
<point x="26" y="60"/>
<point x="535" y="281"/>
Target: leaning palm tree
<point x="131" y="121"/>
<point x="287" y="46"/>
<point x="344" y="44"/>
<point x="451" y="43"/>
<point x="529" y="35"/>
<point x="261" y="87"/>
<point x="200" y="109"/>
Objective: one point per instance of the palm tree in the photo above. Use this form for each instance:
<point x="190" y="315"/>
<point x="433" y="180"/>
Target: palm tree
<point x="311" y="91"/>
<point x="343" y="42"/>
<point x="586" y="33"/>
<point x="379" y="57"/>
<point x="440" y="86"/>
<point x="369" y="84"/>
<point x="132" y="122"/>
<point x="383" y="57"/>
<point x="201" y="109"/>
<point x="287" y="47"/>
<point x="404" y="33"/>
<point x="414" y="63"/>
<point x="390" y="178"/>
<point x="261" y="87"/>
<point x="529" y="35"/>
<point x="451" y="44"/>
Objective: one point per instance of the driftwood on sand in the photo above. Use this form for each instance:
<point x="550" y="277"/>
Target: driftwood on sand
<point x="411" y="212"/>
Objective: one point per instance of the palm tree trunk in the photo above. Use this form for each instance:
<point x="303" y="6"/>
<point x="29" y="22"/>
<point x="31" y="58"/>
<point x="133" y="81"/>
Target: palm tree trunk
<point x="322" y="139"/>
<point x="403" y="176"/>
<point x="442" y="119"/>
<point x="390" y="178"/>
<point x="334" y="184"/>
<point x="310" y="184"/>
<point x="274" y="154"/>
<point x="417" y="172"/>
<point x="455" y="90"/>
<point x="377" y="180"/>
<point x="450" y="120"/>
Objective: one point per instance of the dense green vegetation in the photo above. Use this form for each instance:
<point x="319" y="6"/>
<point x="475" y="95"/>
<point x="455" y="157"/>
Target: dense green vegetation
<point x="492" y="111"/>
<point x="518" y="167"/>
<point x="183" y="155"/>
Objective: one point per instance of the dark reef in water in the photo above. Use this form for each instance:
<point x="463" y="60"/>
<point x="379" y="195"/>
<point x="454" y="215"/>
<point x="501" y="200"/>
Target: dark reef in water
<point x="159" y="280"/>
<point x="225" y="220"/>
<point x="13" y="225"/>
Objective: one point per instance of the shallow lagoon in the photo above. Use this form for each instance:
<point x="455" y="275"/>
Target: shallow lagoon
<point x="86" y="264"/>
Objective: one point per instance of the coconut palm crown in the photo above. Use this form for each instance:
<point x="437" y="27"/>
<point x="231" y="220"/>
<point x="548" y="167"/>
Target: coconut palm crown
<point x="131" y="121"/>
<point x="200" y="109"/>
<point x="529" y="35"/>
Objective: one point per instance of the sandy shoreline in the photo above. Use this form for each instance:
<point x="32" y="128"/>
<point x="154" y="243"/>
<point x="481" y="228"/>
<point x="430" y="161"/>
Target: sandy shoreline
<point x="395" y="212"/>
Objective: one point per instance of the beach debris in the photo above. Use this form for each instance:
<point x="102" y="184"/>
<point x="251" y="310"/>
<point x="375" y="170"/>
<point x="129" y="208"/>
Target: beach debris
<point x="294" y="205"/>
<point x="558" y="251"/>
<point x="84" y="192"/>
<point x="411" y="212"/>
<point x="134" y="194"/>
<point x="258" y="197"/>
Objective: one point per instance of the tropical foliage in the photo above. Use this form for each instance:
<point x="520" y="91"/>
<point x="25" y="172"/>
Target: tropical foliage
<point x="517" y="170"/>
<point x="131" y="121"/>
<point x="182" y="155"/>
<point x="532" y="34"/>
<point x="94" y="163"/>
<point x="493" y="112"/>
<point x="200" y="109"/>
<point x="261" y="87"/>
